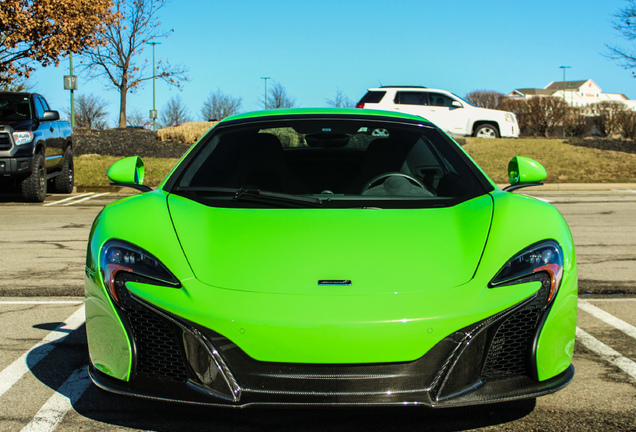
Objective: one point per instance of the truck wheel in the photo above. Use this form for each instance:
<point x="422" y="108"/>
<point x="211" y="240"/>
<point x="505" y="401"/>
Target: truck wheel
<point x="65" y="181"/>
<point x="486" y="130"/>
<point x="33" y="188"/>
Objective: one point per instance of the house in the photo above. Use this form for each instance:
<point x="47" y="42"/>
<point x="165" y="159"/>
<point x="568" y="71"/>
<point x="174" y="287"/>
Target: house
<point x="575" y="93"/>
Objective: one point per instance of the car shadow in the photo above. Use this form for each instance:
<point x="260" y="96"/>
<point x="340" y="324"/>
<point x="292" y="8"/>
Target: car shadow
<point x="136" y="413"/>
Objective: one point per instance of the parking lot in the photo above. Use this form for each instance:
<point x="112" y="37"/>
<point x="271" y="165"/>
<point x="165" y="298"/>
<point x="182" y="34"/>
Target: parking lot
<point x="44" y="384"/>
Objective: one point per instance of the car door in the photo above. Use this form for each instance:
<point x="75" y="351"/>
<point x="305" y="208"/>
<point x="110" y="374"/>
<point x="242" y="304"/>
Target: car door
<point x="50" y="134"/>
<point x="412" y="102"/>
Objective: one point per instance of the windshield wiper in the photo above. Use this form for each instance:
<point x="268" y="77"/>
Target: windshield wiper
<point x="249" y="193"/>
<point x="255" y="194"/>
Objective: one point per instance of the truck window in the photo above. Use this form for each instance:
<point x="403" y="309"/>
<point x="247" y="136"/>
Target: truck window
<point x="40" y="106"/>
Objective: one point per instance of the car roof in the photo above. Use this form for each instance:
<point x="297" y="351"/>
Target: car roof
<point x="410" y="88"/>
<point x="352" y="113"/>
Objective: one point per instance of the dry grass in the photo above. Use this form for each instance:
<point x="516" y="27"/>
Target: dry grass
<point x="90" y="170"/>
<point x="565" y="163"/>
<point x="187" y="133"/>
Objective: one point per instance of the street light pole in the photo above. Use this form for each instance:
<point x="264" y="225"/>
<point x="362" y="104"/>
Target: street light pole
<point x="72" y="94"/>
<point x="564" y="99"/>
<point x="265" y="78"/>
<point x="153" y="113"/>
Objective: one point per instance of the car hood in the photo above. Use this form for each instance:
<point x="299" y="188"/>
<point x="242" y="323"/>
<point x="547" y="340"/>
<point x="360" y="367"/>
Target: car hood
<point x="288" y="251"/>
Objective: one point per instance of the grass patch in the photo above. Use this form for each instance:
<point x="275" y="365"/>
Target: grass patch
<point x="90" y="170"/>
<point x="564" y="162"/>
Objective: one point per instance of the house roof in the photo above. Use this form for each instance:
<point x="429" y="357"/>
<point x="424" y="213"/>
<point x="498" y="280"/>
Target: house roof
<point x="558" y="85"/>
<point x="534" y="91"/>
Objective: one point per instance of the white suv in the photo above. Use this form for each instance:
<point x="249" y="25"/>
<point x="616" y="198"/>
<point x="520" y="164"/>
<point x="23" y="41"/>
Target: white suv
<point x="445" y="109"/>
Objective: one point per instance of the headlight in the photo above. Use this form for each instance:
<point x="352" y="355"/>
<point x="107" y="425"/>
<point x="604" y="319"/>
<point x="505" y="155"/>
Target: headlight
<point x="22" y="137"/>
<point x="510" y="117"/>
<point x="118" y="256"/>
<point x="545" y="256"/>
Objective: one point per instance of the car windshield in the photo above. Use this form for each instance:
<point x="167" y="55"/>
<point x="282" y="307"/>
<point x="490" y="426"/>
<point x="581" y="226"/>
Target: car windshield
<point x="463" y="100"/>
<point x="327" y="162"/>
<point x="14" y="108"/>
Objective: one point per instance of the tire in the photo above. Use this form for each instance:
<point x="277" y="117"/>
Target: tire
<point x="33" y="188"/>
<point x="64" y="182"/>
<point x="486" y="130"/>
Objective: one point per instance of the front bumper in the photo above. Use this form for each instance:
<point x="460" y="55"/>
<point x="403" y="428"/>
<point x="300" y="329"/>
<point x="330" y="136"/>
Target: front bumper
<point x="488" y="361"/>
<point x="16" y="166"/>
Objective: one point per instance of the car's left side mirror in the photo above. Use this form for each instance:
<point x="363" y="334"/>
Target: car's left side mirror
<point x="128" y="172"/>
<point x="50" y="116"/>
<point x="524" y="172"/>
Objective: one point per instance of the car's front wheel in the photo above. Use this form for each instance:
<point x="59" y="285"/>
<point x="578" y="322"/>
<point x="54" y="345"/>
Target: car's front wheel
<point x="486" y="130"/>
<point x="33" y="188"/>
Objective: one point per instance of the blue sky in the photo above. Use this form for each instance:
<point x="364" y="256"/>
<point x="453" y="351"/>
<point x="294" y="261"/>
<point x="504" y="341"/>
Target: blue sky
<point x="314" y="48"/>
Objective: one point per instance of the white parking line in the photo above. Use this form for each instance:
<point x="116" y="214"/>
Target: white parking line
<point x="69" y="199"/>
<point x="609" y="354"/>
<point x="607" y="318"/>
<point x="54" y="410"/>
<point x="85" y="199"/>
<point x="16" y="370"/>
<point x="37" y="302"/>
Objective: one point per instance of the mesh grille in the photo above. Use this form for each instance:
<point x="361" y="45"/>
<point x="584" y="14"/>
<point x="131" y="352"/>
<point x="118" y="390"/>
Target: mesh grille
<point x="510" y="349"/>
<point x="158" y="354"/>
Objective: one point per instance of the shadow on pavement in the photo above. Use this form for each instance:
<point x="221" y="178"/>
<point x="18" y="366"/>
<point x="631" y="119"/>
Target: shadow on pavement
<point x="123" y="411"/>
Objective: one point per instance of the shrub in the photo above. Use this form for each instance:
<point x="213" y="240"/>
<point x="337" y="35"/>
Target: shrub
<point x="575" y="123"/>
<point x="627" y="124"/>
<point x="606" y="115"/>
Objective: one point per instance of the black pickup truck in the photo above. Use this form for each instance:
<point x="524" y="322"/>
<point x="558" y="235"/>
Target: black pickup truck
<point x="35" y="147"/>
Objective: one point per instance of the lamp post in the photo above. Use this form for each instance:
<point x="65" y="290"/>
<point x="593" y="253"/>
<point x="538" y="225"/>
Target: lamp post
<point x="70" y="83"/>
<point x="153" y="112"/>
<point x="265" y="78"/>
<point x="72" y="91"/>
<point x="564" y="68"/>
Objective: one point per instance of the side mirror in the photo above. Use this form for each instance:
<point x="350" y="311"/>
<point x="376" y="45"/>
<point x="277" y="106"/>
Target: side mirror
<point x="128" y="172"/>
<point x="50" y="116"/>
<point x="524" y="172"/>
<point x="457" y="104"/>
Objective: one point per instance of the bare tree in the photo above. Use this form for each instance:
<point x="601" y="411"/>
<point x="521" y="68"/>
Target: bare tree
<point x="625" y="24"/>
<point x="139" y="118"/>
<point x="546" y="113"/>
<point x="41" y="31"/>
<point x="340" y="101"/>
<point x="219" y="105"/>
<point x="175" y="113"/>
<point x="627" y="124"/>
<point x="520" y="108"/>
<point x="278" y="98"/>
<point x="575" y="122"/>
<point x="606" y="116"/>
<point x="486" y="99"/>
<point x="90" y="112"/>
<point x="124" y="43"/>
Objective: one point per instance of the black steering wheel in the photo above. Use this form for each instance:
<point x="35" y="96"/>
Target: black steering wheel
<point x="386" y="175"/>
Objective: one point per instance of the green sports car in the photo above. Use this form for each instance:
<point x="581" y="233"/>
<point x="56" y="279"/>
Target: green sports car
<point x="330" y="257"/>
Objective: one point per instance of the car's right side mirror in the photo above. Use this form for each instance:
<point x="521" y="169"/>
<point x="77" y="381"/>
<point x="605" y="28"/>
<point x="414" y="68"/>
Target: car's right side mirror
<point x="524" y="172"/>
<point x="456" y="104"/>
